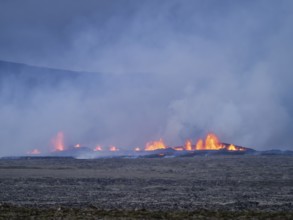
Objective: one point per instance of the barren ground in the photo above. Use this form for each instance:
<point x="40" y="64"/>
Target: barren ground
<point x="200" y="187"/>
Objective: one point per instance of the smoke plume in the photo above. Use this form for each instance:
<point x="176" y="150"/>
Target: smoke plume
<point x="144" y="70"/>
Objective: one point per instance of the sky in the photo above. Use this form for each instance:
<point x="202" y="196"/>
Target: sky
<point x="181" y="69"/>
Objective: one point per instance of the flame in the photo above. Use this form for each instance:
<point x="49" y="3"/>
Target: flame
<point x="155" y="145"/>
<point x="58" y="142"/>
<point x="113" y="148"/>
<point x="212" y="143"/>
<point x="98" y="148"/>
<point x="188" y="145"/>
<point x="199" y="145"/>
<point x="34" y="152"/>
<point x="178" y="148"/>
<point x="77" y="146"/>
<point x="232" y="147"/>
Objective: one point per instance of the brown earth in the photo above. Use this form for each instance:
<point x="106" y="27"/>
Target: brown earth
<point x="180" y="188"/>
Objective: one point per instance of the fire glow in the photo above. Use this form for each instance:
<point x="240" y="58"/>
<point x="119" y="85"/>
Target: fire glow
<point x="210" y="143"/>
<point x="113" y="148"/>
<point x="98" y="148"/>
<point x="155" y="145"/>
<point x="34" y="152"/>
<point x="58" y="142"/>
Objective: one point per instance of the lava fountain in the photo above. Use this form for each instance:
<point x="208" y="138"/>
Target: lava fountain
<point x="58" y="142"/>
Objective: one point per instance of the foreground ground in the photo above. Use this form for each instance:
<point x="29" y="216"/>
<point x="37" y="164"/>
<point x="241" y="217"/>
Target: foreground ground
<point x="179" y="188"/>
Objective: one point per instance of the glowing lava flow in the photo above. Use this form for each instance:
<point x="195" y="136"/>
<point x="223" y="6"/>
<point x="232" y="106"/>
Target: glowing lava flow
<point x="188" y="145"/>
<point x="34" y="152"/>
<point x="77" y="146"/>
<point x="199" y="145"/>
<point x="113" y="148"/>
<point x="155" y="145"/>
<point x="178" y="148"/>
<point x="232" y="147"/>
<point x="58" y="142"/>
<point x="98" y="148"/>
<point x="212" y="143"/>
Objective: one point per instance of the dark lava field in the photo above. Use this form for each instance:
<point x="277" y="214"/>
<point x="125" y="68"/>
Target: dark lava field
<point x="213" y="187"/>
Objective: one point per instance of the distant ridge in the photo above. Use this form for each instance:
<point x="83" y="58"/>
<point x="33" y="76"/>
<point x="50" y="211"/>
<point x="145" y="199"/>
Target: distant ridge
<point x="15" y="65"/>
<point x="22" y="78"/>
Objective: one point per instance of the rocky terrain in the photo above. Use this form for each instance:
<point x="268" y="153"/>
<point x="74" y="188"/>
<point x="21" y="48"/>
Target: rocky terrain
<point x="199" y="187"/>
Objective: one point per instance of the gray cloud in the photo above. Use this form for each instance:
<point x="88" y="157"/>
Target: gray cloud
<point x="181" y="69"/>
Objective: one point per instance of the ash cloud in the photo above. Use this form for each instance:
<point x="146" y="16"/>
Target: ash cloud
<point x="170" y="69"/>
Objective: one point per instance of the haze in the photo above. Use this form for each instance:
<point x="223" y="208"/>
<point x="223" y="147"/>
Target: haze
<point x="144" y="70"/>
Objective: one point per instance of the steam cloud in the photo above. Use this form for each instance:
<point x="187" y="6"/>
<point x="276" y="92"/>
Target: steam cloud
<point x="167" y="69"/>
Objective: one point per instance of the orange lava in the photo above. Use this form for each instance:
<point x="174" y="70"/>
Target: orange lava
<point x="212" y="143"/>
<point x="155" y="145"/>
<point x="232" y="147"/>
<point x="199" y="145"/>
<point x="34" y="152"/>
<point x="98" y="148"/>
<point x="188" y="145"/>
<point x="113" y="148"/>
<point x="58" y="142"/>
<point x="178" y="148"/>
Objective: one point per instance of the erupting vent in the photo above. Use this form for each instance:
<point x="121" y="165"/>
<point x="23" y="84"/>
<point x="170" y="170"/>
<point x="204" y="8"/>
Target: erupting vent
<point x="58" y="142"/>
<point x="210" y="144"/>
<point x="155" y="145"/>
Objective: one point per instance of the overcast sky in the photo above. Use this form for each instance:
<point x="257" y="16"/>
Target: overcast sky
<point x="223" y="66"/>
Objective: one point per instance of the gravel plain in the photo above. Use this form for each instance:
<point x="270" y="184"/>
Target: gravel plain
<point x="213" y="187"/>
